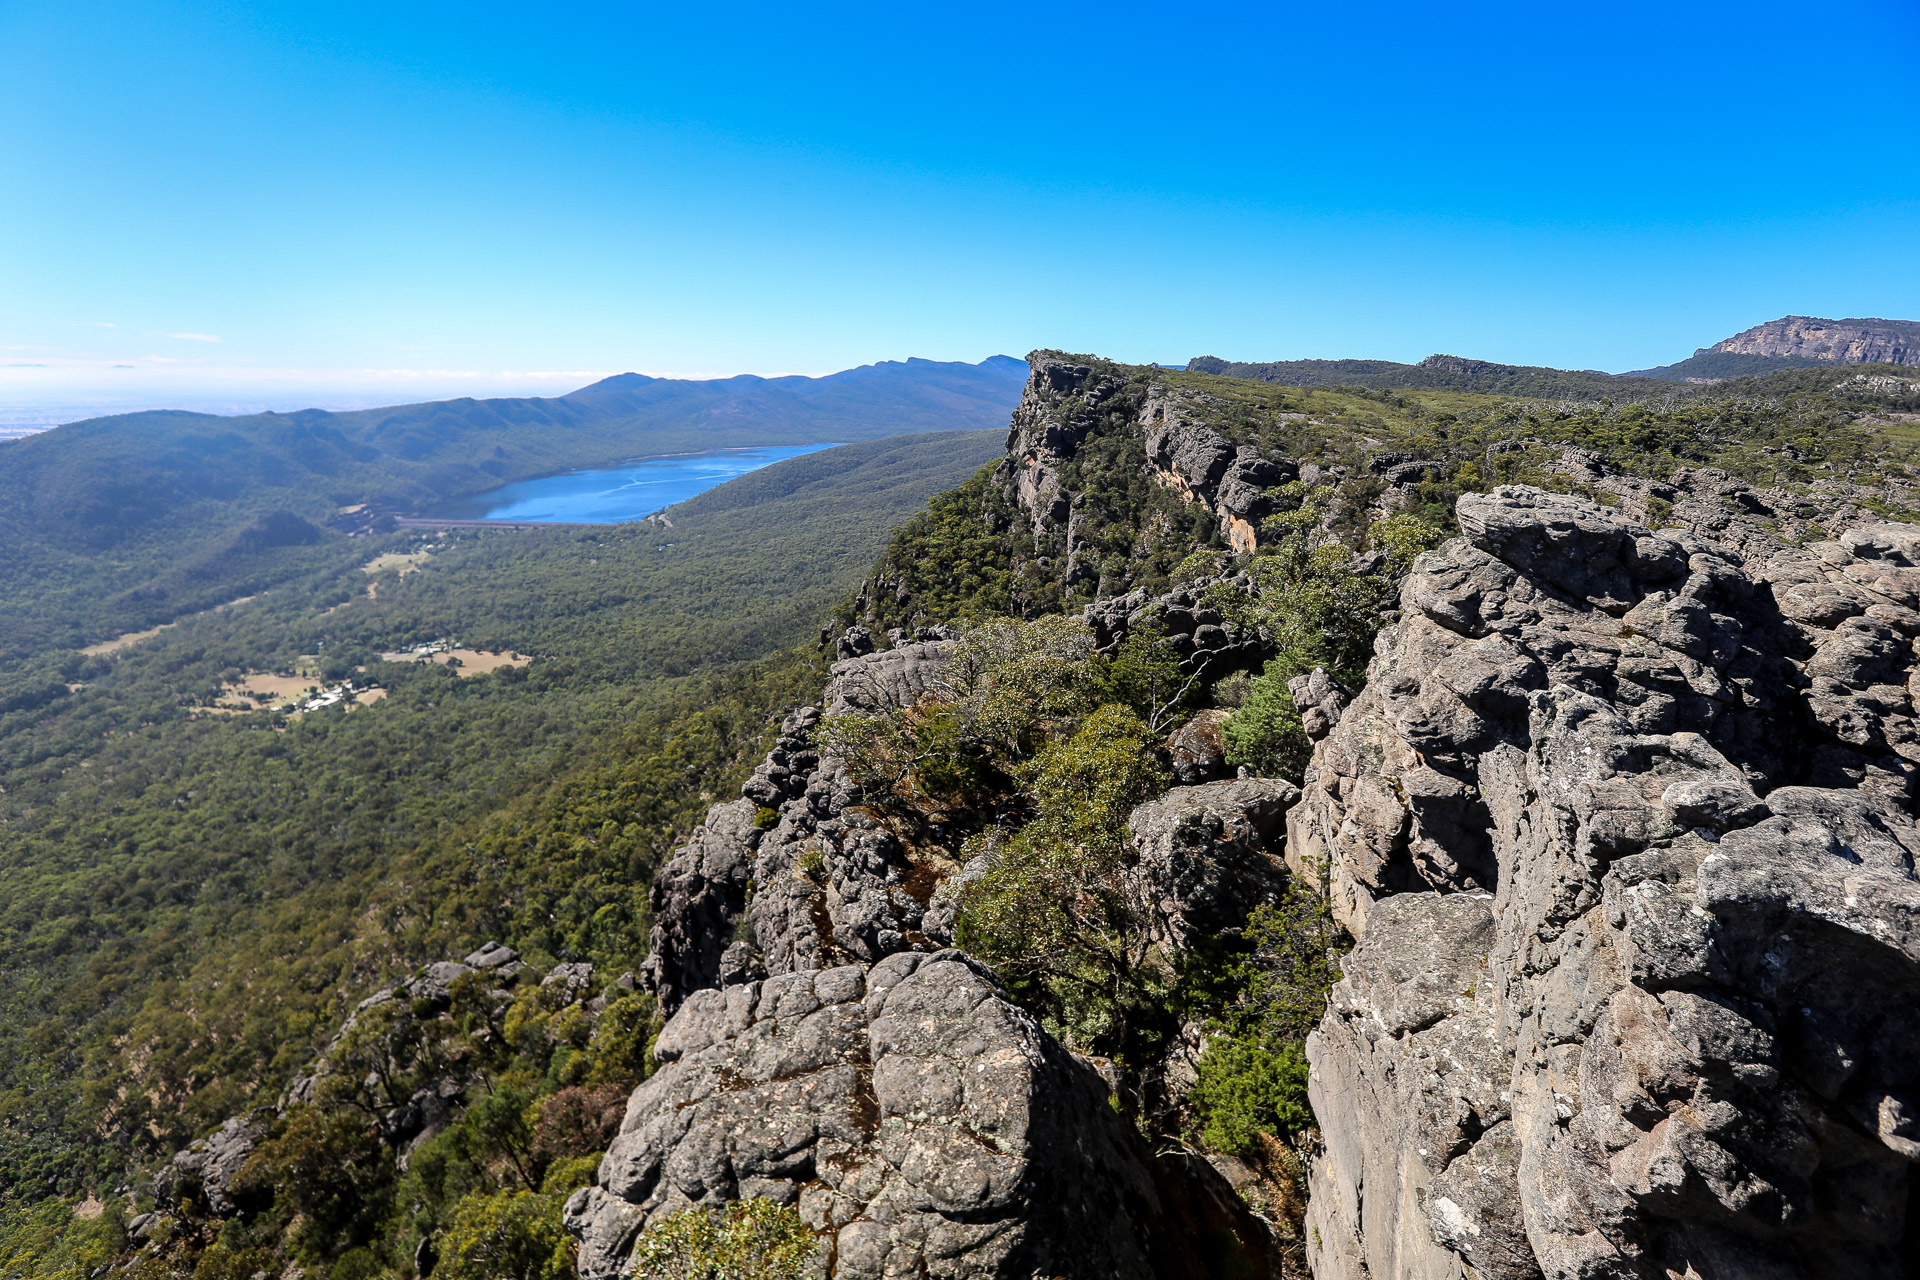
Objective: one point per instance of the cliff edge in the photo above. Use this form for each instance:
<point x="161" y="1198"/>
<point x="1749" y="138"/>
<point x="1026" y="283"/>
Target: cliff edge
<point x="1623" y="825"/>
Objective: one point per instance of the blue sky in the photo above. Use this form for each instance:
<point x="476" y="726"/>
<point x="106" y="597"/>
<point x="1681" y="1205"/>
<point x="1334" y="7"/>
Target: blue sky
<point x="365" y="201"/>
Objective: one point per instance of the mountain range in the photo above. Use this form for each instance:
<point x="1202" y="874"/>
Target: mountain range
<point x="993" y="927"/>
<point x="127" y="521"/>
<point x="1791" y="342"/>
<point x="1796" y="342"/>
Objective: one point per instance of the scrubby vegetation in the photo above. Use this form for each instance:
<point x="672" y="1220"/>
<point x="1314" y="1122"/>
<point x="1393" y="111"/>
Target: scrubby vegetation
<point x="753" y="1240"/>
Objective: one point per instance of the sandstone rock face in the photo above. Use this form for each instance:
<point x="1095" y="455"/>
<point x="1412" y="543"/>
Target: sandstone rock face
<point x="892" y="678"/>
<point x="1042" y="436"/>
<point x="1622" y="823"/>
<point x="1841" y="341"/>
<point x="1065" y="401"/>
<point x="1202" y="466"/>
<point x="922" y="1124"/>
<point x="697" y="895"/>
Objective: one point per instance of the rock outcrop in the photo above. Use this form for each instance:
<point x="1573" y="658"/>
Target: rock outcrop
<point x="1208" y="644"/>
<point x="1841" y="341"/>
<point x="1065" y="402"/>
<point x="1204" y="467"/>
<point x="826" y="1049"/>
<point x="922" y="1123"/>
<point x="206" y="1170"/>
<point x="1622" y="823"/>
<point x="1209" y="854"/>
<point x="831" y="885"/>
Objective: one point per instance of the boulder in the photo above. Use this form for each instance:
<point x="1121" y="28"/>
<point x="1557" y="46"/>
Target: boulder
<point x="209" y="1166"/>
<point x="569" y="981"/>
<point x="891" y="678"/>
<point x="1209" y="854"/>
<point x="920" y="1122"/>
<point x="1319" y="699"/>
<point x="1197" y="751"/>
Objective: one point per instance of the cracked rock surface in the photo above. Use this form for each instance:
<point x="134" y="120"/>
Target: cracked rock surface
<point x="1623" y="825"/>
<point x="922" y="1124"/>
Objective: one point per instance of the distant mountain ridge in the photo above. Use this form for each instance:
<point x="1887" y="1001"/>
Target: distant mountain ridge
<point x="91" y="507"/>
<point x="1791" y="342"/>
<point x="1797" y="342"/>
<point x="1840" y="341"/>
<point x="1435" y="373"/>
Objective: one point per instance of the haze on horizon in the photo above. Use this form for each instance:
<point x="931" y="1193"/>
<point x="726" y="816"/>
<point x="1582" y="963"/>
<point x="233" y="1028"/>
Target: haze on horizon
<point x="233" y="206"/>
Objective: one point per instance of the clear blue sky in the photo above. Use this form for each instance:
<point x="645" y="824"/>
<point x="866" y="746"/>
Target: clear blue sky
<point x="358" y="197"/>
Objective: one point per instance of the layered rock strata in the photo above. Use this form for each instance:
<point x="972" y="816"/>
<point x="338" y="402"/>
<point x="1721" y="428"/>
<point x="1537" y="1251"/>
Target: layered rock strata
<point x="1841" y="341"/>
<point x="1622" y="823"/>
<point x="1204" y="467"/>
<point x="1065" y="402"/>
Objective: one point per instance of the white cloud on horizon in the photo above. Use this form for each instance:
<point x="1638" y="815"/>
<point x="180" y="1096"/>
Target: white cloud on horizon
<point x="195" y="337"/>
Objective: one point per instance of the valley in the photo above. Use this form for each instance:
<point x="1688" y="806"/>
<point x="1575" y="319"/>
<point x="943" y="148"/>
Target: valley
<point x="540" y="740"/>
<point x="151" y="856"/>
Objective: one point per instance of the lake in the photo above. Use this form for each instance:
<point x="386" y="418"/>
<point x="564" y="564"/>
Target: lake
<point x="629" y="491"/>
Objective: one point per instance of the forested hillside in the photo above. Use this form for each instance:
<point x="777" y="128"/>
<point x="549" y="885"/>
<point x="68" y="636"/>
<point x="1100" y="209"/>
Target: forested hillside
<point x="193" y="894"/>
<point x="121" y="523"/>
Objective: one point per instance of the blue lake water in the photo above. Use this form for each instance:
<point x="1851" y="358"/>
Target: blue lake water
<point x="613" y="494"/>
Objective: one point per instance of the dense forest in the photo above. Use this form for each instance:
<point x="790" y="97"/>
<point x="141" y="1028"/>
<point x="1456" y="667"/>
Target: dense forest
<point x="193" y="896"/>
<point x="195" y="900"/>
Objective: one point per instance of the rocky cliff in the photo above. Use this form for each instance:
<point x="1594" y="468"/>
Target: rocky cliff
<point x="1838" y="341"/>
<point x="838" y="1056"/>
<point x="1185" y="456"/>
<point x="1006" y="962"/>
<point x="1623" y="825"/>
<point x="1620" y="823"/>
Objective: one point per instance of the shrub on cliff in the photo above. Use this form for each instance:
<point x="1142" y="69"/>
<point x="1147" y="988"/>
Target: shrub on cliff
<point x="1323" y="608"/>
<point x="1008" y="689"/>
<point x="1253" y="1072"/>
<point x="750" y="1240"/>
<point x="509" y="1235"/>
<point x="1053" y="909"/>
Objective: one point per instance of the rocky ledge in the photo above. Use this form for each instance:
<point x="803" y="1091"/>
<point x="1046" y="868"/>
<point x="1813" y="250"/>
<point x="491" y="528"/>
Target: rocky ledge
<point x="1623" y="825"/>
